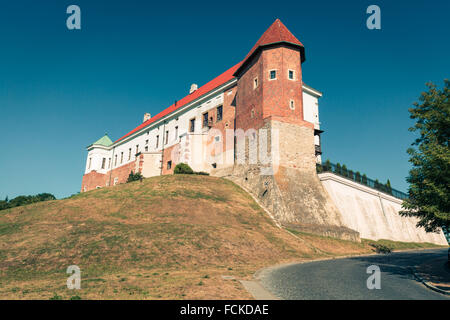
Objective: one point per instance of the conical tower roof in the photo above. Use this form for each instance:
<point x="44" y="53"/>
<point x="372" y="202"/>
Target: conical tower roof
<point x="276" y="33"/>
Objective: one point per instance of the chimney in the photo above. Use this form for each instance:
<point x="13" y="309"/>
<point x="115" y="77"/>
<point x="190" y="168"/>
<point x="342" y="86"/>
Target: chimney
<point x="193" y="88"/>
<point x="146" y="116"/>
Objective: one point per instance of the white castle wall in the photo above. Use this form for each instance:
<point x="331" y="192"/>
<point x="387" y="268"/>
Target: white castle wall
<point x="374" y="214"/>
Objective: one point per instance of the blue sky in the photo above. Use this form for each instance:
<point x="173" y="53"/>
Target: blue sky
<point x="60" y="90"/>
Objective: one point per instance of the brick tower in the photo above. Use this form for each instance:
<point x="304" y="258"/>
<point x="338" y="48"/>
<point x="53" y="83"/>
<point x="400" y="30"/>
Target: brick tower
<point x="269" y="97"/>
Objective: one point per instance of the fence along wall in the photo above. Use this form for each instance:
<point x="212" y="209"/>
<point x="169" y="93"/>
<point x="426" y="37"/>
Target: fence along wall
<point x="372" y="213"/>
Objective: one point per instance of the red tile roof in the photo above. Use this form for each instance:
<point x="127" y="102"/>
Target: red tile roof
<point x="277" y="32"/>
<point x="216" y="82"/>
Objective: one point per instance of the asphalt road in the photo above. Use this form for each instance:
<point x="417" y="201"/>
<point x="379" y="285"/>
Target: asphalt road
<point x="344" y="279"/>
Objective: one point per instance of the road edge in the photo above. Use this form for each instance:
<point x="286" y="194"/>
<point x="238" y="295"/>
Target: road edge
<point x="427" y="283"/>
<point x="258" y="274"/>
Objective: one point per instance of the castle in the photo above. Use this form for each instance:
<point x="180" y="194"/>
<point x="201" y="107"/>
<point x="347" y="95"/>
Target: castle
<point x="258" y="125"/>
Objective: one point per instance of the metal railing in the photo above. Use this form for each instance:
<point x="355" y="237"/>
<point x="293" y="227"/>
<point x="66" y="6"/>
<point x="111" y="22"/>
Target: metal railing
<point x="362" y="179"/>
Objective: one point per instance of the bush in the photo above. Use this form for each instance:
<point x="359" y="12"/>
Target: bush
<point x="201" y="173"/>
<point x="380" y="248"/>
<point x="183" y="168"/>
<point x="134" y="176"/>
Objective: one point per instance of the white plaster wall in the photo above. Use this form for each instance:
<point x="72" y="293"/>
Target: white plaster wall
<point x="152" y="164"/>
<point x="311" y="109"/>
<point x="150" y="133"/>
<point x="374" y="214"/>
<point x="96" y="155"/>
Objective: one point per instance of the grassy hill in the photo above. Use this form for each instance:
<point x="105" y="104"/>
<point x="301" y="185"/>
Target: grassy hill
<point x="169" y="237"/>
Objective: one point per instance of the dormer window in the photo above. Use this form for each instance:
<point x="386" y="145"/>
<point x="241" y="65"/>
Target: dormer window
<point x="272" y="74"/>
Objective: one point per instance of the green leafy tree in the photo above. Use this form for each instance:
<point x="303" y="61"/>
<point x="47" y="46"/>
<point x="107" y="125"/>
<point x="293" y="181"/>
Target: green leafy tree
<point x="364" y="179"/>
<point x="327" y="166"/>
<point x="24" y="200"/>
<point x="344" y="170"/>
<point x="358" y="176"/>
<point x="388" y="186"/>
<point x="338" y="169"/>
<point x="351" y="175"/>
<point x="429" y="178"/>
<point x="377" y="184"/>
<point x="319" y="168"/>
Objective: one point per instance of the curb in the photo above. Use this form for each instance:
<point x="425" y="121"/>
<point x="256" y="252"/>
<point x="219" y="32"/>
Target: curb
<point x="428" y="284"/>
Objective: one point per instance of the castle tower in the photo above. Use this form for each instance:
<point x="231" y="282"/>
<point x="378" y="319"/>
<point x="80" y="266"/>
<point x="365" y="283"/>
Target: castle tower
<point x="269" y="98"/>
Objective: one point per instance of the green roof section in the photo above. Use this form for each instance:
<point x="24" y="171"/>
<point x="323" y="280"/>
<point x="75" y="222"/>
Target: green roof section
<point x="104" y="141"/>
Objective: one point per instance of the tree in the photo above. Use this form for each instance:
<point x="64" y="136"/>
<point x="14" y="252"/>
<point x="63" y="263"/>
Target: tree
<point x="388" y="186"/>
<point x="319" y="168"/>
<point x="429" y="177"/>
<point x="358" y="176"/>
<point x="377" y="184"/>
<point x="364" y="179"/>
<point x="327" y="166"/>
<point x="351" y="175"/>
<point x="338" y="168"/>
<point x="344" y="170"/>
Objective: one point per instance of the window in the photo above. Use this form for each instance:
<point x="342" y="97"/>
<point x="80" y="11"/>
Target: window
<point x="146" y="148"/>
<point x="90" y="162"/>
<point x="157" y="141"/>
<point x="176" y="133"/>
<point x="146" y="142"/>
<point x="116" y="180"/>
<point x="291" y="74"/>
<point x="167" y="137"/>
<point x="121" y="157"/>
<point x="192" y="125"/>
<point x="109" y="163"/>
<point x="137" y="149"/>
<point x="103" y="163"/>
<point x="219" y="113"/>
<point x="115" y="160"/>
<point x="205" y="119"/>
<point x="255" y="83"/>
<point x="292" y="104"/>
<point x="129" y="154"/>
<point x="169" y="165"/>
<point x="272" y="74"/>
